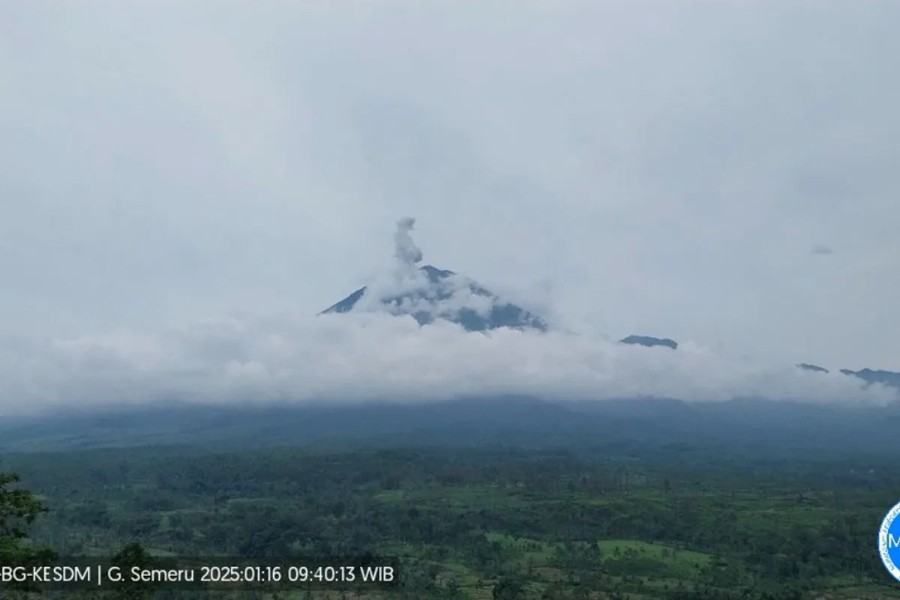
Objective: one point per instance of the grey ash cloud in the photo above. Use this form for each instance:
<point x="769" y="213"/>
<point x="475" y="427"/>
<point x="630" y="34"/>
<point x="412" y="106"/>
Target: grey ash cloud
<point x="406" y="250"/>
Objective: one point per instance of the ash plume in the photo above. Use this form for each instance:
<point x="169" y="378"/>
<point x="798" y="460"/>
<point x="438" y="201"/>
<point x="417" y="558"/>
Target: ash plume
<point x="406" y="250"/>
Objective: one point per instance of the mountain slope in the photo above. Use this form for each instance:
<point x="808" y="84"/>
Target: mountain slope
<point x="430" y="293"/>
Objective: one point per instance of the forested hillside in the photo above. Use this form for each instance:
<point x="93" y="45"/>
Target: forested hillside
<point x="489" y="522"/>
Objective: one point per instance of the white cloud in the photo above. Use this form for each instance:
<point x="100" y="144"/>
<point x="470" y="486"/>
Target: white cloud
<point x="375" y="356"/>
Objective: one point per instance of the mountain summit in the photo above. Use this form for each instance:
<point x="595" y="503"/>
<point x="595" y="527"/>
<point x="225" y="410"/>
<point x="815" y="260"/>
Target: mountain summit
<point x="427" y="293"/>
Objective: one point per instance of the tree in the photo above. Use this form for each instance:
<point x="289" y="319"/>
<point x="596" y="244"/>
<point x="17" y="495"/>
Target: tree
<point x="132" y="555"/>
<point x="18" y="509"/>
<point x="507" y="589"/>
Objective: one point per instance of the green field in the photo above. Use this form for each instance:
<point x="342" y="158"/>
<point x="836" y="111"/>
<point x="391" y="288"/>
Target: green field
<point x="486" y="523"/>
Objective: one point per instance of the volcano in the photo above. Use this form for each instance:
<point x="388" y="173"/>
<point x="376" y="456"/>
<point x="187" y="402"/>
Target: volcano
<point x="429" y="294"/>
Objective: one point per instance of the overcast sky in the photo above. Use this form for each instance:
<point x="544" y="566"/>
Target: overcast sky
<point x="722" y="173"/>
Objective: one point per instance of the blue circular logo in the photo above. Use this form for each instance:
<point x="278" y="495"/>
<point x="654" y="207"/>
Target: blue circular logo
<point x="889" y="541"/>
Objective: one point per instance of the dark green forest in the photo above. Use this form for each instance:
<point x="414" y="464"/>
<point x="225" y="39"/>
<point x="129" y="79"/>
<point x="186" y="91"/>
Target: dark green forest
<point x="491" y="523"/>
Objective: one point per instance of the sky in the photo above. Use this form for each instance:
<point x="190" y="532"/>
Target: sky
<point x="721" y="173"/>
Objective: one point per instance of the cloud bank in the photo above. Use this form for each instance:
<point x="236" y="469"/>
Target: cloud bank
<point x="379" y="352"/>
<point x="375" y="356"/>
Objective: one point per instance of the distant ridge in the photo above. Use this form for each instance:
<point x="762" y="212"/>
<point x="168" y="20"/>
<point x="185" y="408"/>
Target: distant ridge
<point x="869" y="376"/>
<point x="649" y="341"/>
<point x="890" y="378"/>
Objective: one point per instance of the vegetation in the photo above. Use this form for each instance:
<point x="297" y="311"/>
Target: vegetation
<point x="18" y="509"/>
<point x="478" y="523"/>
